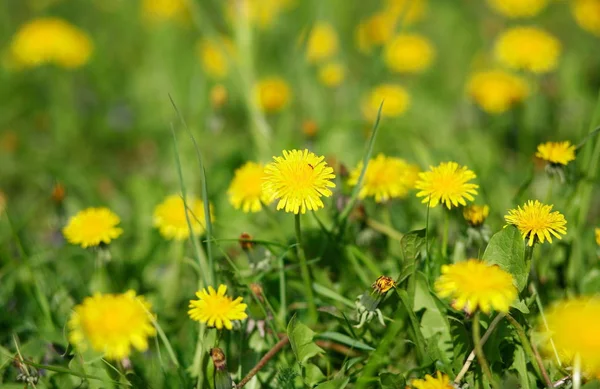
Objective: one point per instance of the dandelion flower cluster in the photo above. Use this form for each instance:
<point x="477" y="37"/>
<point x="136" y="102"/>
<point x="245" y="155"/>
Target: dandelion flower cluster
<point x="213" y="55"/>
<point x="385" y="178"/>
<point x="332" y="74"/>
<point x="92" y="226"/>
<point x="536" y="222"/>
<point x="448" y="184"/>
<point x="112" y="324"/>
<point x="409" y="53"/>
<point x="298" y="180"/>
<point x="518" y="8"/>
<point x="474" y="284"/>
<point x="558" y="153"/>
<point x="272" y="94"/>
<point x="587" y="15"/>
<point x="528" y="48"/>
<point x="322" y="43"/>
<point x="441" y="381"/>
<point x="395" y="98"/>
<point x="245" y="190"/>
<point x="216" y="309"/>
<point x="171" y="221"/>
<point x="475" y="215"/>
<point x="496" y="91"/>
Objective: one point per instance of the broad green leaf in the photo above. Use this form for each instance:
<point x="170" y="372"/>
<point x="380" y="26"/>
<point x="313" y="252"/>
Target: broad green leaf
<point x="392" y="381"/>
<point x="520" y="365"/>
<point x="313" y="375"/>
<point x="411" y="245"/>
<point x="345" y="339"/>
<point x="301" y="340"/>
<point x="520" y="306"/>
<point x="338" y="383"/>
<point x="590" y="284"/>
<point x="416" y="326"/>
<point x="507" y="250"/>
<point x="592" y="385"/>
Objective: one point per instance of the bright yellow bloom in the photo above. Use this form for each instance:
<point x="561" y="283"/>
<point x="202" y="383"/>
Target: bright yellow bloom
<point x="332" y="74"/>
<point x="169" y="217"/>
<point x="164" y="10"/>
<point x="587" y="15"/>
<point x="573" y="328"/>
<point x="475" y="215"/>
<point x="395" y="98"/>
<point x="322" y="42"/>
<point x="406" y="11"/>
<point x="528" y="48"/>
<point x="447" y="183"/>
<point x="442" y="381"/>
<point x="50" y="41"/>
<point x="298" y="180"/>
<point x="536" y="222"/>
<point x="375" y="31"/>
<point x="408" y="53"/>
<point x="383" y="284"/>
<point x="92" y="226"/>
<point x="386" y="178"/>
<point x="474" y="284"/>
<point x="215" y="309"/>
<point x="597" y="236"/>
<point x="245" y="190"/>
<point x="496" y="91"/>
<point x="272" y="94"/>
<point x="518" y="8"/>
<point x="112" y="324"/>
<point x="214" y="56"/>
<point x="560" y="153"/>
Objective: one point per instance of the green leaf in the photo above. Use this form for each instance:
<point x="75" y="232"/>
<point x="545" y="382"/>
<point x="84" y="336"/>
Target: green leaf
<point x="507" y="250"/>
<point x="520" y="365"/>
<point x="338" y="383"/>
<point x="301" y="340"/>
<point x="520" y="306"/>
<point x="592" y="385"/>
<point x="411" y="245"/>
<point x="345" y="339"/>
<point x="312" y="375"/>
<point x="326" y="292"/>
<point x="416" y="326"/>
<point x="392" y="381"/>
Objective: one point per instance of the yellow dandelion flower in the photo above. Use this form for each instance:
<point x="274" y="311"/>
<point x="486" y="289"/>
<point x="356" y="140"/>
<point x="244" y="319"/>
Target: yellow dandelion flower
<point x="518" y="8"/>
<point x="408" y="53"/>
<point x="395" y="98"/>
<point x="164" y="10"/>
<point x="245" y="190"/>
<point x="528" y="48"/>
<point x="474" y="284"/>
<point x="386" y="178"/>
<point x="475" y="215"/>
<point x="536" y="222"/>
<point x="447" y="183"/>
<point x="213" y="55"/>
<point x="558" y="153"/>
<point x="442" y="381"/>
<point x="322" y="42"/>
<point x="216" y="309"/>
<point x="587" y="15"/>
<point x="332" y="74"/>
<point x="112" y="324"/>
<point x="50" y="41"/>
<point x="272" y="94"/>
<point x="92" y="227"/>
<point x="597" y="236"/>
<point x="298" y="180"/>
<point x="407" y="11"/>
<point x="170" y="219"/>
<point x="573" y="328"/>
<point x="375" y="31"/>
<point x="496" y="91"/>
<point x="383" y="284"/>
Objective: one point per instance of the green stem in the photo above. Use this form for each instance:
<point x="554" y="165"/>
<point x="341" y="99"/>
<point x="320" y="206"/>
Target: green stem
<point x="445" y="237"/>
<point x="479" y="351"/>
<point x="426" y="242"/>
<point x="199" y="357"/>
<point x="282" y="289"/>
<point x="528" y="349"/>
<point x="312" y="310"/>
<point x="577" y="372"/>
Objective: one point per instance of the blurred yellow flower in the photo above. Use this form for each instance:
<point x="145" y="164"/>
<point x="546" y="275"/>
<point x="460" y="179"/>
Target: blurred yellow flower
<point x="407" y="12"/>
<point x="408" y="53"/>
<point x="245" y="190"/>
<point x="386" y="178"/>
<point x="448" y="184"/>
<point x="218" y="96"/>
<point x="528" y="48"/>
<point x="261" y="13"/>
<point x="375" y="31"/>
<point x="587" y="15"/>
<point x="322" y="42"/>
<point x="572" y="325"/>
<point x="474" y="284"/>
<point x="518" y="8"/>
<point x="536" y="222"/>
<point x="112" y="324"/>
<point x="272" y="94"/>
<point x="213" y="55"/>
<point x="496" y="91"/>
<point x="164" y="10"/>
<point x="332" y="74"/>
<point x="395" y="98"/>
<point x="170" y="219"/>
<point x="50" y="41"/>
<point x="442" y="381"/>
<point x="298" y="180"/>
<point x="216" y="309"/>
<point x="597" y="236"/>
<point x="475" y="215"/>
<point x="91" y="227"/>
<point x="559" y="153"/>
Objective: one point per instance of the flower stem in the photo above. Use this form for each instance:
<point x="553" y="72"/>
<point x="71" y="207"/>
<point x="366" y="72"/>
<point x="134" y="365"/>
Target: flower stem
<point x="577" y="372"/>
<point x="263" y="361"/>
<point x="312" y="310"/>
<point x="479" y="352"/>
<point x="282" y="289"/>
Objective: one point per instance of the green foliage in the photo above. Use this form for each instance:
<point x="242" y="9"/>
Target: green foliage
<point x="507" y="250"/>
<point x="301" y="341"/>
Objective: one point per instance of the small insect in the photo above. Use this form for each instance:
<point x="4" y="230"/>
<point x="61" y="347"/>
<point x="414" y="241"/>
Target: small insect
<point x="311" y="166"/>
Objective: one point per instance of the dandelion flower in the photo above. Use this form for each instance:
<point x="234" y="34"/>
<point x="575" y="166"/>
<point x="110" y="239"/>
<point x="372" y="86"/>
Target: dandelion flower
<point x="92" y="226"/>
<point x="164" y="10"/>
<point x="50" y="41"/>
<point x="272" y="94"/>
<point x="112" y="324"/>
<point x="383" y="284"/>
<point x="245" y="190"/>
<point x="395" y="98"/>
<point x="597" y="236"/>
<point x="386" y="178"/>
<point x="528" y="48"/>
<point x="474" y="284"/>
<point x="587" y="15"/>
<point x="557" y="153"/>
<point x="496" y="91"/>
<point x="408" y="53"/>
<point x="536" y="222"/>
<point x="216" y="309"/>
<point x="332" y="74"/>
<point x="214" y="56"/>
<point x="298" y="180"/>
<point x="518" y="8"/>
<point x="442" y="381"/>
<point x="448" y="183"/>
<point x="375" y="31"/>
<point x="475" y="215"/>
<point x="322" y="42"/>
<point x="573" y="329"/>
<point x="407" y="11"/>
<point x="170" y="219"/>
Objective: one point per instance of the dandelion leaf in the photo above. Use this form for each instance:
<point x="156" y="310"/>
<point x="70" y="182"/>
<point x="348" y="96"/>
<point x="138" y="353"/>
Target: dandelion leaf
<point x="301" y="340"/>
<point x="507" y="250"/>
